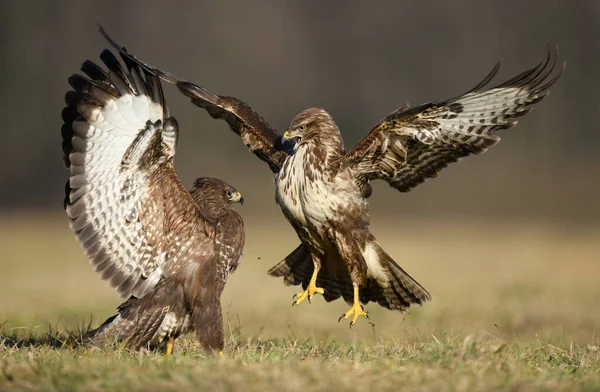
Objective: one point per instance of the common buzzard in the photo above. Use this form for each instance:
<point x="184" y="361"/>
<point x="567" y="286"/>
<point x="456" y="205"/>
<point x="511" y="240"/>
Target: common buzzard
<point x="323" y="190"/>
<point x="166" y="250"/>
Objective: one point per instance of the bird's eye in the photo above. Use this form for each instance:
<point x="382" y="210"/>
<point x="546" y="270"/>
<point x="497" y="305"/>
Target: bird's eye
<point x="301" y="128"/>
<point x="230" y="193"/>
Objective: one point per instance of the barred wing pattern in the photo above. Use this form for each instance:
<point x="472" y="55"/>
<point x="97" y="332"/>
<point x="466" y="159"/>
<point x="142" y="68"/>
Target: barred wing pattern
<point x="411" y="145"/>
<point x="256" y="133"/>
<point x="119" y="143"/>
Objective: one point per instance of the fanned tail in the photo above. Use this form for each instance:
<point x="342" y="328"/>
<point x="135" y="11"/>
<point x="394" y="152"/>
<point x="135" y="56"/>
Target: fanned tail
<point x="389" y="285"/>
<point x="297" y="268"/>
<point x="131" y="327"/>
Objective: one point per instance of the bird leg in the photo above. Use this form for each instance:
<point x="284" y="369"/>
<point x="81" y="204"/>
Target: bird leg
<point x="356" y="310"/>
<point x="311" y="289"/>
<point x="169" y="349"/>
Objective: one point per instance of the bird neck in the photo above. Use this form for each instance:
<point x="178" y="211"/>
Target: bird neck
<point x="213" y="207"/>
<point x="325" y="145"/>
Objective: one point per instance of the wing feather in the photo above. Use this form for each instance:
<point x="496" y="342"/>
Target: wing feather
<point x="123" y="195"/>
<point x="256" y="133"/>
<point x="411" y="145"/>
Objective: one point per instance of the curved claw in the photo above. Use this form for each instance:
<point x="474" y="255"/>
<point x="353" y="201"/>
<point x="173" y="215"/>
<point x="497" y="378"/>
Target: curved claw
<point x="310" y="291"/>
<point x="365" y="315"/>
<point x="354" y="313"/>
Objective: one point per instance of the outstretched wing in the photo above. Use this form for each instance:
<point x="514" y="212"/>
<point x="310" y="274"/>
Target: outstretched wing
<point x="123" y="196"/>
<point x="254" y="131"/>
<point x="411" y="145"/>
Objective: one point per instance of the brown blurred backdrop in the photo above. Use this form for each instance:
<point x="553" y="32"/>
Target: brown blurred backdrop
<point x="358" y="60"/>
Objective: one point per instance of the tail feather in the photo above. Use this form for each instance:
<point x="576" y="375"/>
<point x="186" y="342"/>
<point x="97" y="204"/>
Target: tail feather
<point x="297" y="268"/>
<point x="388" y="285"/>
<point x="396" y="290"/>
<point x="132" y="329"/>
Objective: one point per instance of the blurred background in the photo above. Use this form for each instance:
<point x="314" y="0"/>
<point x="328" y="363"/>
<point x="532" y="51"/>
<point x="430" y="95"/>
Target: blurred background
<point x="506" y="242"/>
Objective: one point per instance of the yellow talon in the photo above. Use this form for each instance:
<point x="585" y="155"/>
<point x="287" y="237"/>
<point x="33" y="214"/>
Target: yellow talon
<point x="169" y="350"/>
<point x="355" y="311"/>
<point x="308" y="293"/>
<point x="310" y="290"/>
<point x="221" y="355"/>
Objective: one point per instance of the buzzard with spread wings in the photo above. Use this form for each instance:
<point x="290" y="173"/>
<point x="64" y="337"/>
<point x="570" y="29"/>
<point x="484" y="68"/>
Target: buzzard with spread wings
<point x="164" y="249"/>
<point x="323" y="190"/>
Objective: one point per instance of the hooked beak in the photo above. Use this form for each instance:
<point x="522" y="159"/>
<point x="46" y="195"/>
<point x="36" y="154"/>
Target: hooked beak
<point x="287" y="143"/>
<point x="288" y="136"/>
<point x="237" y="198"/>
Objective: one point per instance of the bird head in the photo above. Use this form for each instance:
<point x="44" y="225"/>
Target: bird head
<point x="234" y="196"/>
<point x="214" y="194"/>
<point x="304" y="127"/>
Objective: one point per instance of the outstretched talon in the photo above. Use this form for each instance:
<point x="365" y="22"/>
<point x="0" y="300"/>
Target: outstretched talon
<point x="310" y="290"/>
<point x="308" y="293"/>
<point x="355" y="311"/>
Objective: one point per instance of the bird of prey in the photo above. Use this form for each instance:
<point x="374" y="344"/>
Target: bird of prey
<point x="165" y="250"/>
<point x="323" y="189"/>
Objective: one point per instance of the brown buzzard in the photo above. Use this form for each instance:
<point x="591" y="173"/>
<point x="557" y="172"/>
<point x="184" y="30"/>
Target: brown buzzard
<point x="167" y="250"/>
<point x="323" y="190"/>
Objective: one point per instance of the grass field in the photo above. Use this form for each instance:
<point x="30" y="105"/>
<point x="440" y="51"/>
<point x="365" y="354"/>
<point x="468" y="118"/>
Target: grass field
<point x="515" y="307"/>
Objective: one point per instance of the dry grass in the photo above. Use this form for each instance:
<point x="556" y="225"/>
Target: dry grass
<point x="514" y="307"/>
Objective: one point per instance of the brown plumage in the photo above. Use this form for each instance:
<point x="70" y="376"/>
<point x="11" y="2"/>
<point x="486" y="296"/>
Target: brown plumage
<point x="166" y="250"/>
<point x="323" y="190"/>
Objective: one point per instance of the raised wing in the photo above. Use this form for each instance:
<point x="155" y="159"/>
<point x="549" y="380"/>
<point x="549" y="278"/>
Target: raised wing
<point x="254" y="131"/>
<point x="127" y="207"/>
<point x="411" y="145"/>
